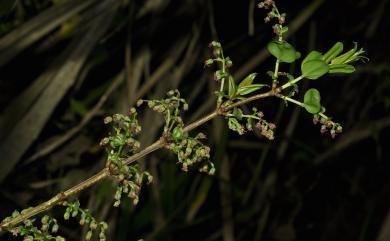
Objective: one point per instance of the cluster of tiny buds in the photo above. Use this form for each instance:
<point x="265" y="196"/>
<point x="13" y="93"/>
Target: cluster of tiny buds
<point x="73" y="209"/>
<point x="265" y="4"/>
<point x="328" y="125"/>
<point x="191" y="151"/>
<point x="30" y="232"/>
<point x="48" y="221"/>
<point x="266" y="129"/>
<point x="276" y="29"/>
<point x="130" y="182"/>
<point x="162" y="106"/>
<point x="127" y="121"/>
<point x="218" y="56"/>
<point x="271" y="15"/>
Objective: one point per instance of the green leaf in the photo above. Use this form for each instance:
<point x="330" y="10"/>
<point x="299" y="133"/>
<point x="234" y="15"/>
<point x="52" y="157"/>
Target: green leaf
<point x="283" y="51"/>
<point x="341" y="69"/>
<point x="312" y="101"/>
<point x="314" y="69"/>
<point x="249" y="89"/>
<point x="313" y="55"/>
<point x="351" y="56"/>
<point x="237" y="113"/>
<point x="333" y="52"/>
<point x="232" y="87"/>
<point x="248" y="80"/>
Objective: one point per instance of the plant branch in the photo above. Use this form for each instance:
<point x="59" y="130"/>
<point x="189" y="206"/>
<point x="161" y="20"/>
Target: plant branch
<point x="58" y="199"/>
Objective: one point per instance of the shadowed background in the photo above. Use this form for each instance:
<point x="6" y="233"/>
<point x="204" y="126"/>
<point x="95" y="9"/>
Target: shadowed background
<point x="64" y="65"/>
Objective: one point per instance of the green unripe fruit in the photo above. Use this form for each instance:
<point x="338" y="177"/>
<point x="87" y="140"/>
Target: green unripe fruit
<point x="177" y="133"/>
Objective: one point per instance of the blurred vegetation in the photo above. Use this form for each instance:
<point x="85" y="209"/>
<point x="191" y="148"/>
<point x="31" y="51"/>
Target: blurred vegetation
<point x="65" y="64"/>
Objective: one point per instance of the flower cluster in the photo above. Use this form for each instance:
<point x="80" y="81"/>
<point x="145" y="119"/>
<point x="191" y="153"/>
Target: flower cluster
<point x="190" y="151"/>
<point x="328" y="125"/>
<point x="73" y="209"/>
<point x="120" y="145"/>
<point x="222" y="73"/>
<point x="278" y="28"/>
<point x="170" y="107"/>
<point x="253" y="120"/>
<point x="30" y="232"/>
<point x="130" y="180"/>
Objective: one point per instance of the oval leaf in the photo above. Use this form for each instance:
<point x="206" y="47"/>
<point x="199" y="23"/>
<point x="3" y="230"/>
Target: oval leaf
<point x="283" y="51"/>
<point x="312" y="101"/>
<point x="248" y="80"/>
<point x="249" y="89"/>
<point x="314" y="69"/>
<point x="313" y="55"/>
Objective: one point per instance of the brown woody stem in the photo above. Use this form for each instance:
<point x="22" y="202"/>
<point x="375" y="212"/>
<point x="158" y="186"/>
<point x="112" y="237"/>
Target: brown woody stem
<point x="57" y="199"/>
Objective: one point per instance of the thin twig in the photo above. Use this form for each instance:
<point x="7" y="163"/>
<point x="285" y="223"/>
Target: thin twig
<point x="57" y="199"/>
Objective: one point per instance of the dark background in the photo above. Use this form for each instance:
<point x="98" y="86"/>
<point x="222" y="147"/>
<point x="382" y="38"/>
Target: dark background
<point x="56" y="74"/>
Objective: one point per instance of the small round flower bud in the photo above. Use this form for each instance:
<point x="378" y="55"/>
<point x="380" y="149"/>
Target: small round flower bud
<point x="151" y="104"/>
<point x="44" y="219"/>
<point x="28" y="238"/>
<point x="66" y="215"/>
<point x="271" y="126"/>
<point x="260" y="5"/>
<point x="116" y="117"/>
<point x="333" y="133"/>
<point x="208" y="62"/>
<point x="54" y="229"/>
<point x="82" y="221"/>
<point x="88" y="236"/>
<point x="276" y="29"/>
<point x="282" y="20"/>
<point x="139" y="102"/>
<point x="150" y="179"/>
<point x="201" y="136"/>
<point x="184" y="167"/>
<point x="74" y="213"/>
<point x="107" y="119"/>
<point x="93" y="225"/>
<point x="229" y="63"/>
<point x="323" y="129"/>
<point x="44" y="227"/>
<point x="339" y="129"/>
<point x="170" y="93"/>
<point x="104" y="141"/>
<point x="117" y="203"/>
<point x="315" y="120"/>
